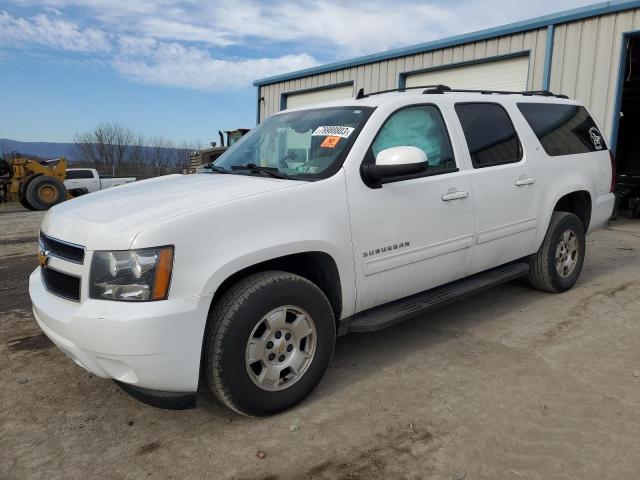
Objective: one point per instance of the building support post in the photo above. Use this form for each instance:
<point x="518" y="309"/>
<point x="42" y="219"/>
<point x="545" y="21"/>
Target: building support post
<point x="548" y="58"/>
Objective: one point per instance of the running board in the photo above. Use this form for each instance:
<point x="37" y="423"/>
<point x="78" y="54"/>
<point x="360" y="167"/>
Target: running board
<point x="392" y="313"/>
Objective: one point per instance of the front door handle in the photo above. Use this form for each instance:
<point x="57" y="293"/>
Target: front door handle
<point x="454" y="195"/>
<point x="525" y="181"/>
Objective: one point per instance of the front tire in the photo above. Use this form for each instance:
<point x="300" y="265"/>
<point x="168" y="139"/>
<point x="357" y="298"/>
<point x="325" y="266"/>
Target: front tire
<point x="44" y="192"/>
<point x="268" y="342"/>
<point x="23" y="201"/>
<point x="558" y="263"/>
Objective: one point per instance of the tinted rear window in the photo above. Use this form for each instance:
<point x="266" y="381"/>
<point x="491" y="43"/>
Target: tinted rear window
<point x="74" y="174"/>
<point x="563" y="129"/>
<point x="490" y="135"/>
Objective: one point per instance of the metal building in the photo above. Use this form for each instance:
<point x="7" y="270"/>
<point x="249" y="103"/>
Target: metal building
<point x="591" y="54"/>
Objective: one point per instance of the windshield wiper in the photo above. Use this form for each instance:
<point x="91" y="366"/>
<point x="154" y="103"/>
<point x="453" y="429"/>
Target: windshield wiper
<point x="215" y="168"/>
<point x="252" y="167"/>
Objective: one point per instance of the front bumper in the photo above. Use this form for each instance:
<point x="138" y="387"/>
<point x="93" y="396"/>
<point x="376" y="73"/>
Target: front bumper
<point x="149" y="345"/>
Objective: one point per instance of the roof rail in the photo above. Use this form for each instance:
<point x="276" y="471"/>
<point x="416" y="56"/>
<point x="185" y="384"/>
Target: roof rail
<point x="439" y="89"/>
<point x="542" y="93"/>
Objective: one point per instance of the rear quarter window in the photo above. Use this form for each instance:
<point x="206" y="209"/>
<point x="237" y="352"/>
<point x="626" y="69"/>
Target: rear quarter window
<point x="563" y="129"/>
<point x="75" y="174"/>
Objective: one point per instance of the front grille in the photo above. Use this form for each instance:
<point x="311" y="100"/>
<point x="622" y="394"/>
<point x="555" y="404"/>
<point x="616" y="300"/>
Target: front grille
<point x="61" y="284"/>
<point x="66" y="251"/>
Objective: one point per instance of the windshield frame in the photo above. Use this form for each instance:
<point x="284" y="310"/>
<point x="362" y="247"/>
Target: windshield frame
<point x="335" y="166"/>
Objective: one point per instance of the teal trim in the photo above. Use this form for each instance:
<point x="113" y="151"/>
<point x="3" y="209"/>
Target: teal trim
<point x="548" y="57"/>
<point x="615" y="124"/>
<point x="597" y="9"/>
<point x="284" y="95"/>
<point x="402" y="80"/>
<point x="258" y="103"/>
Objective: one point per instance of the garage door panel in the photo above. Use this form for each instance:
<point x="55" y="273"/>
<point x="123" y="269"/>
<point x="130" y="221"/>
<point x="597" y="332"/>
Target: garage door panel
<point x="508" y="74"/>
<point x="317" y="96"/>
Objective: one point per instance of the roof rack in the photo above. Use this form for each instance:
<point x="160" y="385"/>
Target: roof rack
<point x="436" y="89"/>
<point x="439" y="89"/>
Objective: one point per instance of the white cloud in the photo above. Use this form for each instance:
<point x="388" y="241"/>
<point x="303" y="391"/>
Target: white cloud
<point x="218" y="45"/>
<point x="173" y="64"/>
<point x="345" y="29"/>
<point x="145" y="59"/>
<point x="180" y="30"/>
<point x="52" y="33"/>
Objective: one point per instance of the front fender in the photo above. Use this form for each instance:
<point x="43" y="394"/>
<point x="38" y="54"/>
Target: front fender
<point x="252" y="258"/>
<point x="212" y="244"/>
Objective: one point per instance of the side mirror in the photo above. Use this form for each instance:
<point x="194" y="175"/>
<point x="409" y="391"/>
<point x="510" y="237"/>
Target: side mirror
<point x="396" y="162"/>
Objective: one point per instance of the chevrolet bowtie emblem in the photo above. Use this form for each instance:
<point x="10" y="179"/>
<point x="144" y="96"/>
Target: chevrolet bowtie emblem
<point x="43" y="258"/>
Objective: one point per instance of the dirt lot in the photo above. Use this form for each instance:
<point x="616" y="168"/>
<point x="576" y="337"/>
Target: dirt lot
<point x="511" y="384"/>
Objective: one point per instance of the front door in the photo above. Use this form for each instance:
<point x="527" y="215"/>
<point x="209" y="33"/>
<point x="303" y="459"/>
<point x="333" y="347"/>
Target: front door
<point x="415" y="233"/>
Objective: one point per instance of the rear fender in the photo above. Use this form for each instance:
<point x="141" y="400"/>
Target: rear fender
<point x="548" y="208"/>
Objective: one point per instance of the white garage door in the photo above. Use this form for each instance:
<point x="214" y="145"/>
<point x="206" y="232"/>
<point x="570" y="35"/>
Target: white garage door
<point x="317" y="96"/>
<point x="509" y="75"/>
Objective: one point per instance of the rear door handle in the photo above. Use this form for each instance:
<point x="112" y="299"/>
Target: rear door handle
<point x="525" y="181"/>
<point x="455" y="195"/>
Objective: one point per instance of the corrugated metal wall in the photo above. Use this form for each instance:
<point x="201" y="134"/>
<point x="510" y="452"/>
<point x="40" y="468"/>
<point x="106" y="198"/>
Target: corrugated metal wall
<point x="384" y="75"/>
<point x="585" y="63"/>
<point x="586" y="57"/>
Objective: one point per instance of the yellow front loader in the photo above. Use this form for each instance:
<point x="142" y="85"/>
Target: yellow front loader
<point x="37" y="185"/>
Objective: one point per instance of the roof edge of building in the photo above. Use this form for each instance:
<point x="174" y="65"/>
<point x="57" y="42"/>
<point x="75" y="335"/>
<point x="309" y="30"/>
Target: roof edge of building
<point x="565" y="16"/>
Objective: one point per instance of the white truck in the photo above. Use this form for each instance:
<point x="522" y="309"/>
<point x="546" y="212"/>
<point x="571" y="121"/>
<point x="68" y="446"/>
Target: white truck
<point x="80" y="181"/>
<point x="348" y="216"/>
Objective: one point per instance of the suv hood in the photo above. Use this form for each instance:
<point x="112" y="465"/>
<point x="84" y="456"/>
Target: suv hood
<point x="110" y="219"/>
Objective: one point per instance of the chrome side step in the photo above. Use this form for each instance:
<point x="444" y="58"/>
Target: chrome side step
<point x="395" y="312"/>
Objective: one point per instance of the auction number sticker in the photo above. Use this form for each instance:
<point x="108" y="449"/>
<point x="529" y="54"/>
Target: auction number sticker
<point x="333" y="131"/>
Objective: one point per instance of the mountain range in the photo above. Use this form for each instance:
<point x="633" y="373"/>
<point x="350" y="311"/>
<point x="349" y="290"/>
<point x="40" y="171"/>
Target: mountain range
<point x="39" y="149"/>
<point x="49" y="150"/>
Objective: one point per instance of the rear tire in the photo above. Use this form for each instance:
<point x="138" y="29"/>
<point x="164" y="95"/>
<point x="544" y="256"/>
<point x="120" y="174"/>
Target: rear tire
<point x="276" y="321"/>
<point x="44" y="192"/>
<point x="558" y="263"/>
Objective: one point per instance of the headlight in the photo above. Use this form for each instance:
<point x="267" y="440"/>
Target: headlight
<point x="131" y="275"/>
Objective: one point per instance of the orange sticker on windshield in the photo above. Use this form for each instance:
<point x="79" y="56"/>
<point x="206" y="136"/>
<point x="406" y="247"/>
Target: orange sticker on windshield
<point x="330" y="142"/>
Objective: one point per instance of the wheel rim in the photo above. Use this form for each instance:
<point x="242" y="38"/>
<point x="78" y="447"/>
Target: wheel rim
<point x="280" y="348"/>
<point x="47" y="193"/>
<point x="567" y="253"/>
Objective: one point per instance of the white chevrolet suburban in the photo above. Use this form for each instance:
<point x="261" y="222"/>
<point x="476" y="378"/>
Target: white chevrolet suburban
<point x="348" y="216"/>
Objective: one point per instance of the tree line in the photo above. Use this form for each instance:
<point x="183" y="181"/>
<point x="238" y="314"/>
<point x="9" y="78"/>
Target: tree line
<point x="117" y="150"/>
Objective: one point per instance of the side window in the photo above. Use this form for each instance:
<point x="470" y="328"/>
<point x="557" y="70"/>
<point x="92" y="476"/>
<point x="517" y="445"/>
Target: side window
<point x="490" y="135"/>
<point x="422" y="127"/>
<point x="563" y="129"/>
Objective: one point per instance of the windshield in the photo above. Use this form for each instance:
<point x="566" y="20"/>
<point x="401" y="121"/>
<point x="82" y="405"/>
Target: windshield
<point x="307" y="144"/>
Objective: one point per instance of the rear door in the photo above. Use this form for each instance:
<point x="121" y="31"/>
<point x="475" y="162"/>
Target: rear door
<point x="504" y="185"/>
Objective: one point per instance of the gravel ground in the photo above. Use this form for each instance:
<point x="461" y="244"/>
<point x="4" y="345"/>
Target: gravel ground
<point x="509" y="384"/>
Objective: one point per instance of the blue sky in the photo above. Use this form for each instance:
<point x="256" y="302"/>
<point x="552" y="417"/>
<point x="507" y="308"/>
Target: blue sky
<point x="183" y="68"/>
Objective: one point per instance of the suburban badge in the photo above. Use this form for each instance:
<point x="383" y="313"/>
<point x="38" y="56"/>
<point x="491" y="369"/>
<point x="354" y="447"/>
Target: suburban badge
<point x="388" y="248"/>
